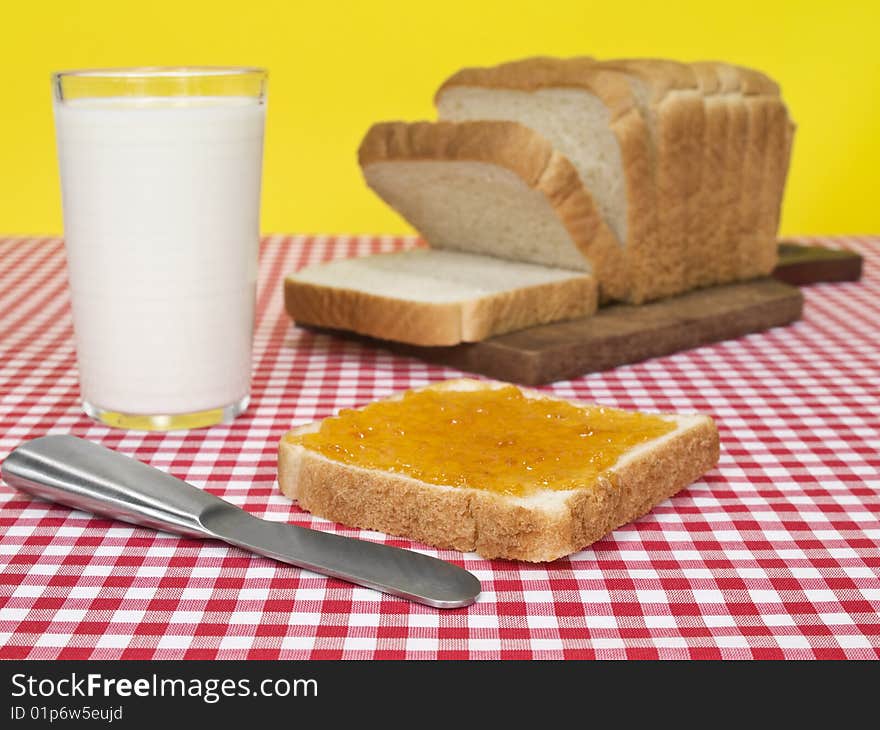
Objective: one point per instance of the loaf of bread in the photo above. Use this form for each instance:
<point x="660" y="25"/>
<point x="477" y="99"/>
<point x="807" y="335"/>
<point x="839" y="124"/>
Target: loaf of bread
<point x="650" y="176"/>
<point x="493" y="477"/>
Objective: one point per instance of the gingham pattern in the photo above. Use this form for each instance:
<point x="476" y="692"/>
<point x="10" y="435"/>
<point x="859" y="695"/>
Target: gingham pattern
<point x="772" y="555"/>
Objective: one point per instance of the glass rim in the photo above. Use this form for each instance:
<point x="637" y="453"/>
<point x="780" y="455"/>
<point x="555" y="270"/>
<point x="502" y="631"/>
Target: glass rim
<point x="158" y="72"/>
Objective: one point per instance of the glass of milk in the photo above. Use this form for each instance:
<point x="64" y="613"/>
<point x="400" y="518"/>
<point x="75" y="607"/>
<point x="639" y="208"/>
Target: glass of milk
<point x="160" y="181"/>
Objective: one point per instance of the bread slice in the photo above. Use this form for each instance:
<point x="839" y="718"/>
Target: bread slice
<point x="718" y="176"/>
<point x="776" y="203"/>
<point x="540" y="526"/>
<point x="590" y="117"/>
<point x="493" y="188"/>
<point x="765" y="147"/>
<point x="433" y="297"/>
<point x="670" y="98"/>
<point x="724" y="236"/>
<point x="778" y="139"/>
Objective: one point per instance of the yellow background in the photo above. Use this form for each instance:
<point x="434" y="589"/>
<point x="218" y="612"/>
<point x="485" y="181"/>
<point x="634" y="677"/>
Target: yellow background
<point x="335" y="67"/>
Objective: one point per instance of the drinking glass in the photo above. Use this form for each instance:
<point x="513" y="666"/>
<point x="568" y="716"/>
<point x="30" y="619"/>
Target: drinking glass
<point x="160" y="182"/>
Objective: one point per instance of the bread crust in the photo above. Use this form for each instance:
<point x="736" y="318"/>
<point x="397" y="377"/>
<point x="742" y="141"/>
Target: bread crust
<point x="493" y="525"/>
<point x="724" y="263"/>
<point x="780" y="134"/>
<point x="702" y="266"/>
<point x="765" y="254"/>
<point x="429" y="323"/>
<point x="543" y="72"/>
<point x="763" y="173"/>
<point x="525" y="153"/>
<point x="790" y="129"/>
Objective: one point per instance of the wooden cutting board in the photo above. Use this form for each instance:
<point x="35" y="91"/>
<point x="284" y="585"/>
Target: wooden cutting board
<point x="621" y="334"/>
<point x="617" y="334"/>
<point x="799" y="264"/>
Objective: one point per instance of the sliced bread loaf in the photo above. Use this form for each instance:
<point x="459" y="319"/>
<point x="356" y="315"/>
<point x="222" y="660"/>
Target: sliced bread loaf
<point x="492" y="188"/>
<point x="718" y="143"/>
<point x="539" y="522"/>
<point x="433" y="297"/>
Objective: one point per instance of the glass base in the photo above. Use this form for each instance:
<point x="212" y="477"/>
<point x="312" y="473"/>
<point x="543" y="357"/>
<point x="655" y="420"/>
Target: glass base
<point x="170" y="422"/>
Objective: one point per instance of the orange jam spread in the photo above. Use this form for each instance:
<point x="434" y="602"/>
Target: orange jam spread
<point x="498" y="439"/>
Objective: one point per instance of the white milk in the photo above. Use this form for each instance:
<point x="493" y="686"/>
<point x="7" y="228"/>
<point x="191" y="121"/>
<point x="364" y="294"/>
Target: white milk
<point x="161" y="220"/>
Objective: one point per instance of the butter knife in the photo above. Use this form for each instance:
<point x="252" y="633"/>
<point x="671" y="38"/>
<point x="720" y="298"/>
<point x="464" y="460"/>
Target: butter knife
<point x="89" y="477"/>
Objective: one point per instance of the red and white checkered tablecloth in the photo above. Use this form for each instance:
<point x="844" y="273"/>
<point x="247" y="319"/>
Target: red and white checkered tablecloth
<point x="774" y="554"/>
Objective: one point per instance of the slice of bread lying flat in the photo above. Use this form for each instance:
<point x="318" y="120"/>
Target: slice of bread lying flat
<point x="547" y="505"/>
<point x="431" y="297"/>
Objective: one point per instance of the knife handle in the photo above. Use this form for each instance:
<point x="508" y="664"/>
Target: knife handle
<point x="87" y="476"/>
